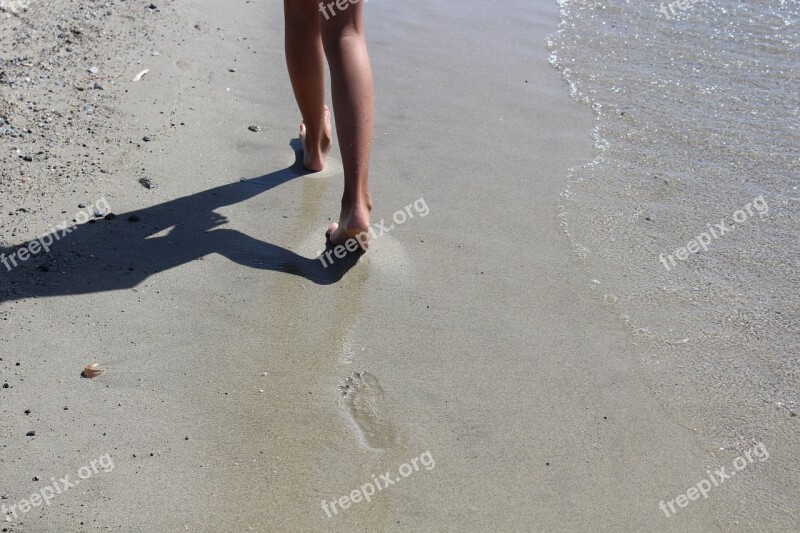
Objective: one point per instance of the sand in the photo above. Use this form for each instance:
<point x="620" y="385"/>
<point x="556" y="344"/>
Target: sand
<point x="226" y="345"/>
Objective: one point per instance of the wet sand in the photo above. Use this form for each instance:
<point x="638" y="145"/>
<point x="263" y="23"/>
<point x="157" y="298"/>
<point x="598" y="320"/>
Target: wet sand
<point x="226" y="343"/>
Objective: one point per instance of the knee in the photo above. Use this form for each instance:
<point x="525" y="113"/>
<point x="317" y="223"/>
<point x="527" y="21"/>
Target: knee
<point x="336" y="36"/>
<point x="343" y="21"/>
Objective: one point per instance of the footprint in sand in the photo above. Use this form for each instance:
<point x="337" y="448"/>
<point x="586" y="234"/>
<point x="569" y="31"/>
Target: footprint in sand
<point x="363" y="398"/>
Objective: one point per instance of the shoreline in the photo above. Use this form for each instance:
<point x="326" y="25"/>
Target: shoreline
<point x="224" y="352"/>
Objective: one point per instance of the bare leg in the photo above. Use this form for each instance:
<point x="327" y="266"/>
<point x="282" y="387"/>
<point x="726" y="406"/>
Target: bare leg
<point x="306" y="63"/>
<point x="345" y="46"/>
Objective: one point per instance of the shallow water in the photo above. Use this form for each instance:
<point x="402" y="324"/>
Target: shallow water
<point x="696" y="123"/>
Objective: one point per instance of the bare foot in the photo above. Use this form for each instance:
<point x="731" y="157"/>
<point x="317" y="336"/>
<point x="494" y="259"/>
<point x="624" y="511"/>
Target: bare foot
<point x="316" y="150"/>
<point x="353" y="224"/>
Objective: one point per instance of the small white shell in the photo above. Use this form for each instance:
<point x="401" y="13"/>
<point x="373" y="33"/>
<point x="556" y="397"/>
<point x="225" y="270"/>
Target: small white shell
<point x="139" y="76"/>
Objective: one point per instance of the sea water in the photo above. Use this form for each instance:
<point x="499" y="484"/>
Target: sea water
<point x="686" y="221"/>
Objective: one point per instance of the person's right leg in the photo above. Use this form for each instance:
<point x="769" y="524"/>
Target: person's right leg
<point x="306" y="63"/>
<point x="351" y="82"/>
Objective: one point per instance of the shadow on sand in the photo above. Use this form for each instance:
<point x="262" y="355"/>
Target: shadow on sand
<point x="116" y="254"/>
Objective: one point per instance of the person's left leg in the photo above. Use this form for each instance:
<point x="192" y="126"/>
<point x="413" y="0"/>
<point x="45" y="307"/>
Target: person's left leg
<point x="306" y="62"/>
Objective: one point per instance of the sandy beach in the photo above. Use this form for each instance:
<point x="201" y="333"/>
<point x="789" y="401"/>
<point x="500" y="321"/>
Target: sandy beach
<point x="461" y="370"/>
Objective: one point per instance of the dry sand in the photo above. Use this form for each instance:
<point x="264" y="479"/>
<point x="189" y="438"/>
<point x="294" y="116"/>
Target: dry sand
<point x="225" y="342"/>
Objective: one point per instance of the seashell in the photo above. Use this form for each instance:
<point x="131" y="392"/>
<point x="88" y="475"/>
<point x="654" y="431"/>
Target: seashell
<point x="91" y="371"/>
<point x="139" y="76"/>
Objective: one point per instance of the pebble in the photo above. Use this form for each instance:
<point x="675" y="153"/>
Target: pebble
<point x="99" y="213"/>
<point x="147" y="183"/>
<point x="110" y="216"/>
<point x="147" y="139"/>
<point x="254" y="128"/>
<point x="134" y="218"/>
<point x="31" y="433"/>
<point x="94" y="70"/>
<point x="99" y="87"/>
<point x="81" y="205"/>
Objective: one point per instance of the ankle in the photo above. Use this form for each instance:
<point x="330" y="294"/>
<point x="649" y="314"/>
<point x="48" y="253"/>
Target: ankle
<point x="316" y="139"/>
<point x="356" y="202"/>
<point x="365" y="200"/>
